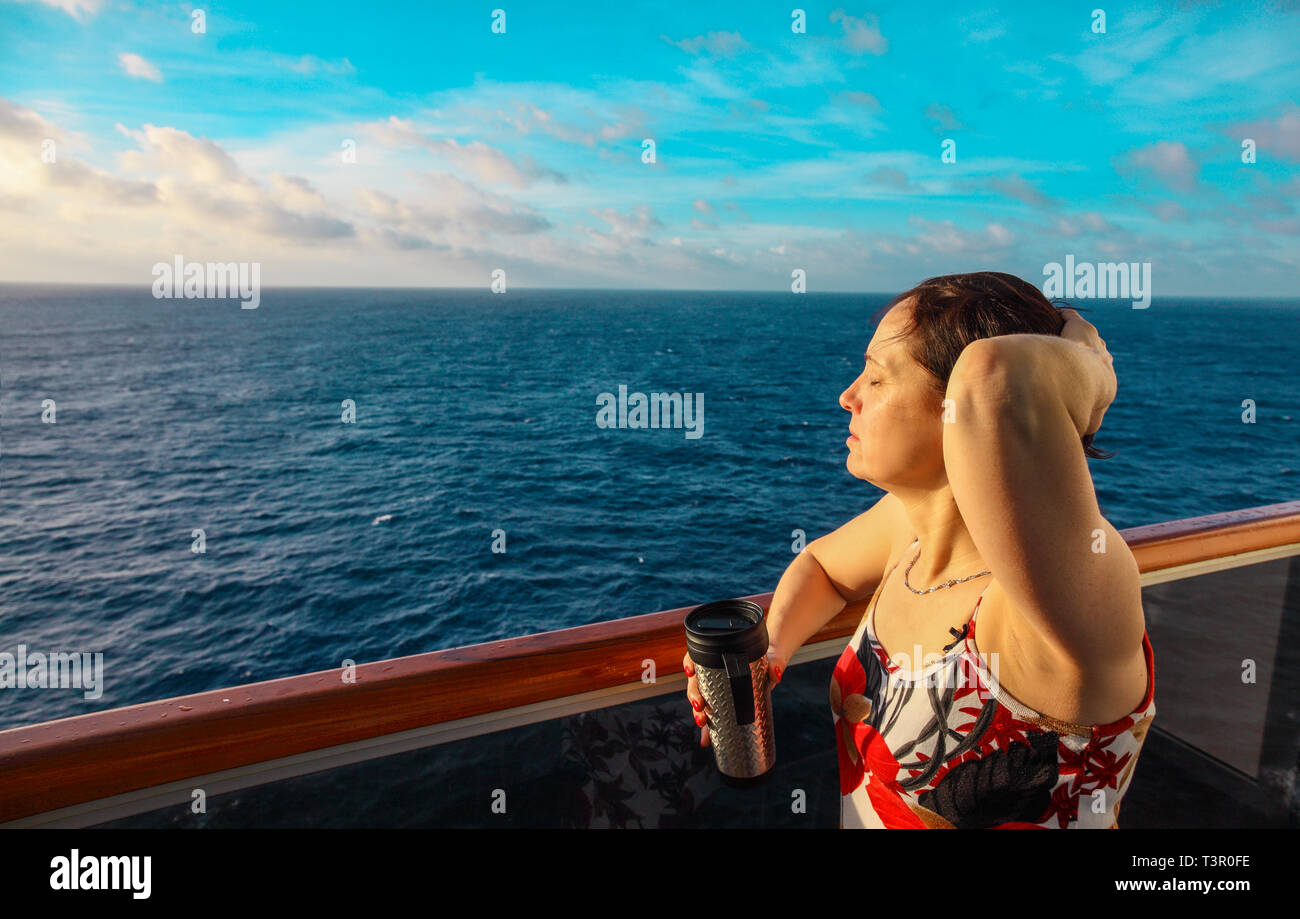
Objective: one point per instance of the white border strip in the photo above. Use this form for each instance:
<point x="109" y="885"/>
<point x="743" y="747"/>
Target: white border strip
<point x="1223" y="563"/>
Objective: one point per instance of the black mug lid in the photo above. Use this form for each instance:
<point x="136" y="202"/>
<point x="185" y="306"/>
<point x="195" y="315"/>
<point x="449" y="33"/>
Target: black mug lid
<point x="727" y="627"/>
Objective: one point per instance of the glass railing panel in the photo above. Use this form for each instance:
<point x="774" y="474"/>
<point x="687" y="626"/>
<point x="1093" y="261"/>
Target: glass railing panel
<point x="638" y="764"/>
<point x="1225" y="742"/>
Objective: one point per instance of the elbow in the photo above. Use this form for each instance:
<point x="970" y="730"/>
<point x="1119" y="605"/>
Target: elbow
<point x="988" y="368"/>
<point x="816" y="569"/>
<point x="995" y="379"/>
<point x="984" y="378"/>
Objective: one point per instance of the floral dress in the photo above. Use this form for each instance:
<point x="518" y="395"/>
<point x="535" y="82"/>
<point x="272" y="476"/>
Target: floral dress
<point x="946" y="747"/>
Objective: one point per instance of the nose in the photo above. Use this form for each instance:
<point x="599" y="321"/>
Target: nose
<point x="849" y="400"/>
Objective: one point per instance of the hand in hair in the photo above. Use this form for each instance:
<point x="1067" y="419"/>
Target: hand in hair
<point x="1083" y="333"/>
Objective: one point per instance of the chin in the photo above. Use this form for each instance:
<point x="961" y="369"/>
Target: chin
<point x="854" y="466"/>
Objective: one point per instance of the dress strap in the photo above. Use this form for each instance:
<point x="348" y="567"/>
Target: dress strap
<point x="968" y="630"/>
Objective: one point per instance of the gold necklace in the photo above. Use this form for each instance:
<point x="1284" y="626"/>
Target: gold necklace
<point x="948" y="583"/>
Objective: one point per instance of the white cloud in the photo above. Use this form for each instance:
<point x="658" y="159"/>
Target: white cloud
<point x="172" y="151"/>
<point x="1169" y="211"/>
<point x="174" y="185"/>
<point x="1153" y="65"/>
<point x="1019" y="188"/>
<point x="1275" y="137"/>
<point x="857" y="97"/>
<point x="635" y="224"/>
<point x="296" y="193"/>
<point x="486" y="163"/>
<point x="77" y="9"/>
<point x="26" y="176"/>
<point x="861" y="35"/>
<point x="1170" y="161"/>
<point x="527" y="118"/>
<point x="718" y="44"/>
<point x="890" y="176"/>
<point x="943" y="236"/>
<point x="414" y="210"/>
<point x="136" y="66"/>
<point x="310" y="64"/>
<point x="943" y="117"/>
<point x="1097" y="223"/>
<point x="448" y="209"/>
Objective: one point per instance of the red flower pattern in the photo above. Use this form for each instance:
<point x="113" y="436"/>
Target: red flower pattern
<point x="865" y="757"/>
<point x="1065" y="805"/>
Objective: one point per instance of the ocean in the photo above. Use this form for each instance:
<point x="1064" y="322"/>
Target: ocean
<point x="475" y="427"/>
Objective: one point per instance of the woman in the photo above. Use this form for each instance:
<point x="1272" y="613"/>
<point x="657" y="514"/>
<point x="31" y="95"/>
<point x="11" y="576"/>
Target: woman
<point x="975" y="395"/>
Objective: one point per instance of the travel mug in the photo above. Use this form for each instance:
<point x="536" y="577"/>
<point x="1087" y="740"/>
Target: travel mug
<point x="727" y="640"/>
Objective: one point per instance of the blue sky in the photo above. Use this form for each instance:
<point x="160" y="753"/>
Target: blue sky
<point x="774" y="150"/>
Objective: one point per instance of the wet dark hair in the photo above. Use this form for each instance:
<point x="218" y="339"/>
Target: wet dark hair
<point x="951" y="311"/>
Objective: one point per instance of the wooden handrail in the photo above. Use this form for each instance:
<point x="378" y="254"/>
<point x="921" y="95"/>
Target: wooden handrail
<point x="73" y="760"/>
<point x="1157" y="546"/>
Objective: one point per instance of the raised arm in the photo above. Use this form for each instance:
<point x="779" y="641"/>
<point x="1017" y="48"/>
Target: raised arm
<point x="1021" y="481"/>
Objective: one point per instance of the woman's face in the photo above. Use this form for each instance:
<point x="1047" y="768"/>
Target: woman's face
<point x="895" y="416"/>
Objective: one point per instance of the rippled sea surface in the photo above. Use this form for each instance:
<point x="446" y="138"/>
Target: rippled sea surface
<point x="476" y="413"/>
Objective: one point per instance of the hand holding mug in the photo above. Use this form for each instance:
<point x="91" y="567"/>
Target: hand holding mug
<point x="776" y="664"/>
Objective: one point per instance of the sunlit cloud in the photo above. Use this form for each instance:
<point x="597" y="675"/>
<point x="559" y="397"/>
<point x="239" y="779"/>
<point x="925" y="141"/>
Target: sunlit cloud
<point x="136" y="66"/>
<point x="77" y="9"/>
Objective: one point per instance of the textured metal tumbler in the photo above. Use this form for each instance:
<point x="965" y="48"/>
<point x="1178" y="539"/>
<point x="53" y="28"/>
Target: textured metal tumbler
<point x="727" y="640"/>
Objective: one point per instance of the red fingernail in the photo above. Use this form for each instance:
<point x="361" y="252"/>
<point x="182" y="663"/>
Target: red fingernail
<point x="690" y="671"/>
<point x="699" y="719"/>
<point x="695" y="705"/>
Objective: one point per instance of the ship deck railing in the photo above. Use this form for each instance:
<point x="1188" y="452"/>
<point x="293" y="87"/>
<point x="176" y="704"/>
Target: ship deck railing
<point x="588" y="726"/>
